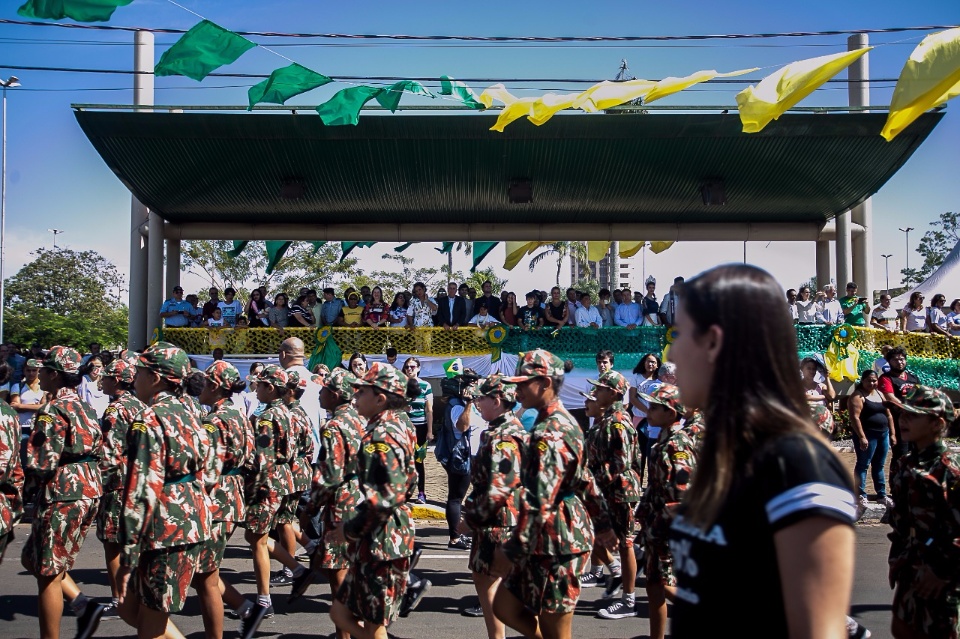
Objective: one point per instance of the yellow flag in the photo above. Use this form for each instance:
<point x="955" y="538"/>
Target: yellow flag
<point x="780" y="91"/>
<point x="514" y="111"/>
<point x="609" y="94"/>
<point x="660" y="247"/>
<point x="548" y="105"/>
<point x="517" y="250"/>
<point x="596" y="251"/>
<point x="930" y="77"/>
<point x="669" y="86"/>
<point x="629" y="249"/>
<point x="496" y="92"/>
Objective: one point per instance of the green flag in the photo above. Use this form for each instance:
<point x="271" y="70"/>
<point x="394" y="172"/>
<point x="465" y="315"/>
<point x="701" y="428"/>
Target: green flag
<point x="480" y="251"/>
<point x="344" y="107"/>
<point x="79" y="10"/>
<point x="327" y="351"/>
<point x="347" y="247"/>
<point x="447" y="247"/>
<point x="275" y="252"/>
<point x="390" y="98"/>
<point x="449" y="86"/>
<point x="238" y="246"/>
<point x="202" y="49"/>
<point x="403" y="247"/>
<point x="284" y="84"/>
<point x="317" y="246"/>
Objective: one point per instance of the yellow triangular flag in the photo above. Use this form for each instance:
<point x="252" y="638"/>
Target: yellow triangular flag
<point x="660" y="247"/>
<point x="517" y="250"/>
<point x="669" y="86"/>
<point x="596" y="251"/>
<point x="780" y="91"/>
<point x="930" y="77"/>
<point x="629" y="249"/>
<point x="609" y="94"/>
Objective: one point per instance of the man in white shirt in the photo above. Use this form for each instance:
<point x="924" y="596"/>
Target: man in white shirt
<point x="828" y="307"/>
<point x="587" y="313"/>
<point x="668" y="306"/>
<point x="629" y="314"/>
<point x="792" y="304"/>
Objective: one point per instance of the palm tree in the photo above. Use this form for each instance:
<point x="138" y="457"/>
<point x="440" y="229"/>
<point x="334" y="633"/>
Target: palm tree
<point x="560" y="250"/>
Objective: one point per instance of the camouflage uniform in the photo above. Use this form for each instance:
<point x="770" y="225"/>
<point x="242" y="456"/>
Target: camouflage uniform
<point x="63" y="453"/>
<point x="166" y="516"/>
<point x="491" y="508"/>
<point x="301" y="440"/>
<point x="551" y="544"/>
<point x="231" y="438"/>
<point x="612" y="456"/>
<point x="925" y="518"/>
<point x="381" y="532"/>
<point x="823" y="418"/>
<point x="695" y="425"/>
<point x="115" y="425"/>
<point x="270" y="478"/>
<point x="336" y="486"/>
<point x="11" y="475"/>
<point x="673" y="461"/>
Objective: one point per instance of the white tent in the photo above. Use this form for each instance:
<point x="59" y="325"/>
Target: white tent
<point x="946" y="280"/>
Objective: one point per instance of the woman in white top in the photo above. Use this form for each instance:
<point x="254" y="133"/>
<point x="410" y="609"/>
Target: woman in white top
<point x="885" y="317"/>
<point x="89" y="389"/>
<point x="806" y="307"/>
<point x="914" y="316"/>
<point x="953" y="318"/>
<point x="936" y="318"/>
<point x="28" y="397"/>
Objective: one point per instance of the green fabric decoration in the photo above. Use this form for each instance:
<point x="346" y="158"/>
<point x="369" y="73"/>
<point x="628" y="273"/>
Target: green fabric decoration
<point x="317" y="246"/>
<point x="344" y="107"/>
<point x="327" y="351"/>
<point x="447" y="248"/>
<point x="238" y="246"/>
<point x="284" y="84"/>
<point x="403" y="247"/>
<point x="347" y="247"/>
<point x="480" y="251"/>
<point x="390" y="98"/>
<point x="79" y="10"/>
<point x="201" y="50"/>
<point x="275" y="253"/>
<point x="459" y="90"/>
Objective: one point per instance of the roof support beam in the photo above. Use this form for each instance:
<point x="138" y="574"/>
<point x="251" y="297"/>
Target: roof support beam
<point x="736" y="232"/>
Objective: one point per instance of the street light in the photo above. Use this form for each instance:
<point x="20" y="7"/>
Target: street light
<point x="907" y="231"/>
<point x="886" y="266"/>
<point x="55" y="232"/>
<point x="10" y="83"/>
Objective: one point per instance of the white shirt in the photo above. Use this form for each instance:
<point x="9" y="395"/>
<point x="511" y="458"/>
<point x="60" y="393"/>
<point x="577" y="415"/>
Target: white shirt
<point x="794" y="314"/>
<point x="230" y="312"/>
<point x="807" y="311"/>
<point x="885" y="316"/>
<point x="669" y="306"/>
<point x="953" y="323"/>
<point x="916" y="319"/>
<point x="310" y="403"/>
<point x="483" y="320"/>
<point x="91" y="394"/>
<point x="587" y="315"/>
<point x="27" y="396"/>
<point x="829" y="312"/>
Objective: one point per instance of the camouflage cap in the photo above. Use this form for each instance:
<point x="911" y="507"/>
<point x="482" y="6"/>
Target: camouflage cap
<point x="222" y="374"/>
<point x="496" y="385"/>
<point x="538" y="363"/>
<point x="166" y="360"/>
<point x="340" y="381"/>
<point x="385" y="377"/>
<point x="121" y="369"/>
<point x="924" y="400"/>
<point x="297" y="381"/>
<point x="33" y="363"/>
<point x="273" y="375"/>
<point x="613" y="380"/>
<point x="63" y="359"/>
<point x="587" y="396"/>
<point x="666" y="395"/>
<point x="822" y="417"/>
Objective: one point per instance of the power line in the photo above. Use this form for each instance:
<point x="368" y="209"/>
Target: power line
<point x="463" y="38"/>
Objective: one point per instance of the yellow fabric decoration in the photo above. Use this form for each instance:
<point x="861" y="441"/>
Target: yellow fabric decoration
<point x="608" y="94"/>
<point x="629" y="249"/>
<point x="596" y="251"/>
<point x="660" y="247"/>
<point x="930" y="77"/>
<point x="783" y="89"/>
<point x="517" y="250"/>
<point x="669" y="86"/>
<point x="548" y="105"/>
<point x="842" y="362"/>
<point x="514" y="111"/>
<point x="496" y="92"/>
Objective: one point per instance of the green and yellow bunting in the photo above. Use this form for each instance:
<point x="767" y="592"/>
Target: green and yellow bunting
<point x="460" y="91"/>
<point x="344" y="107"/>
<point x="275" y="253"/>
<point x="79" y="10"/>
<point x="347" y="247"/>
<point x="238" y="246"/>
<point x="390" y="97"/>
<point x="284" y="84"/>
<point x="201" y="50"/>
<point x="480" y="251"/>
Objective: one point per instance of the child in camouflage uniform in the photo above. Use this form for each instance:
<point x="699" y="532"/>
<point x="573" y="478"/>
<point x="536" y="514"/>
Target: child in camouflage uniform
<point x="925" y="548"/>
<point x="11" y="473"/>
<point x="336" y="487"/>
<point x="380" y="534"/>
<point x="117" y="381"/>
<point x="673" y="461"/>
<point x="62" y="461"/>
<point x="551" y="545"/>
<point x="491" y="508"/>
<point x="612" y="455"/>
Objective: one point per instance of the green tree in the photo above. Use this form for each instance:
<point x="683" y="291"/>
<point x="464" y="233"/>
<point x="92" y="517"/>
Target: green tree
<point x="559" y="250"/>
<point x="477" y="278"/>
<point x="403" y="275"/>
<point x="588" y="286"/>
<point x="64" y="297"/>
<point x="211" y="260"/>
<point x="934" y="246"/>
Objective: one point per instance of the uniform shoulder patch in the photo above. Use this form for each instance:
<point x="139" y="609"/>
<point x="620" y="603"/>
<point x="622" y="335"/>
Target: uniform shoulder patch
<point x="619" y="426"/>
<point x="265" y="422"/>
<point x="210" y="427"/>
<point x="327" y="432"/>
<point x="45" y="419"/>
<point x="506" y="446"/>
<point x="543" y="446"/>
<point x="369" y="448"/>
<point x="111" y="410"/>
<point x="682" y="456"/>
<point x="139" y="426"/>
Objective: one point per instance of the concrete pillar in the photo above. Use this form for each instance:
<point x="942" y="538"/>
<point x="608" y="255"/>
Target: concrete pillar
<point x="173" y="264"/>
<point x="823" y="262"/>
<point x="155" y="292"/>
<point x="844" y="251"/>
<point x="859" y="93"/>
<point x="137" y="300"/>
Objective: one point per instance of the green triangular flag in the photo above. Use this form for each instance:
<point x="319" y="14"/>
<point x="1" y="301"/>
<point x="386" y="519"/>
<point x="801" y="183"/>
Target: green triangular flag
<point x="285" y="83"/>
<point x="238" y="246"/>
<point x="480" y="251"/>
<point x="447" y="247"/>
<point x="202" y="49"/>
<point x="390" y="98"/>
<point x="347" y="247"/>
<point x="459" y="90"/>
<point x="275" y="251"/>
<point x="403" y="247"/>
<point x="317" y="246"/>
<point x="79" y="10"/>
<point x="344" y="107"/>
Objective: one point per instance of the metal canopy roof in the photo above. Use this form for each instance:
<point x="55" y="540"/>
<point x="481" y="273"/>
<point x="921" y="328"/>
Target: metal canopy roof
<point x="430" y="169"/>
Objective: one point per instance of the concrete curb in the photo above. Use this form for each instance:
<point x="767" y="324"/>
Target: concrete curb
<point x="428" y="512"/>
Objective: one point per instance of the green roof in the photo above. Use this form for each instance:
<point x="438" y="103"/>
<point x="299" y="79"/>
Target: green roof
<point x="599" y="168"/>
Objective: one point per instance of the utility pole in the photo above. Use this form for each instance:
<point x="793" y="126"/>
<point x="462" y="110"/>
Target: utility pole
<point x="10" y="83"/>
<point x="55" y="232"/>
<point x="906" y="231"/>
<point x="886" y="267"/>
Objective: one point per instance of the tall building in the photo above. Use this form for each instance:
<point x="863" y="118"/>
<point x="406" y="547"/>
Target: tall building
<point x="600" y="271"/>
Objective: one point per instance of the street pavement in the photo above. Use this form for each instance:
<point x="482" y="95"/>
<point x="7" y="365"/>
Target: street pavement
<point x="437" y="616"/>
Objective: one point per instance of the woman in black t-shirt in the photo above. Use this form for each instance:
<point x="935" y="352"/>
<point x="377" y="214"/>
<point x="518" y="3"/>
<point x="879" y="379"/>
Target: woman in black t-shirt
<point x="770" y="513"/>
<point x="556" y="310"/>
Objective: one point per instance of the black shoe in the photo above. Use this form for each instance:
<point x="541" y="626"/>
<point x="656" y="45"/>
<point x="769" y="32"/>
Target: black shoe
<point x="250" y="623"/>
<point x="475" y="611"/>
<point x="414" y="559"/>
<point x="300" y="585"/>
<point x="281" y="578"/>
<point x="411" y="598"/>
<point x="110" y="612"/>
<point x="88" y="622"/>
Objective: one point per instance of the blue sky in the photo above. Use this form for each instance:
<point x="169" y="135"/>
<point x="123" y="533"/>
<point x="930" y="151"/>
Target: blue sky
<point x="56" y="180"/>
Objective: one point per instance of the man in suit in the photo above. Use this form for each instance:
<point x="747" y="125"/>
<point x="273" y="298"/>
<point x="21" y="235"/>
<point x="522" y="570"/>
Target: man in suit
<point x="451" y="312"/>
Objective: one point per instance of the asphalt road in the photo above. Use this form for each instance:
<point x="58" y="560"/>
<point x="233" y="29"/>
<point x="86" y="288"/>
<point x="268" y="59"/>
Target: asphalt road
<point x="438" y="614"/>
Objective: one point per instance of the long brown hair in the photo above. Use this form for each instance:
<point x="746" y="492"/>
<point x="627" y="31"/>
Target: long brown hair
<point x="756" y="393"/>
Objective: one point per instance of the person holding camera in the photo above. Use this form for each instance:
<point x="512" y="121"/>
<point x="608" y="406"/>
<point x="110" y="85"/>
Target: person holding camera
<point x="856" y="310"/>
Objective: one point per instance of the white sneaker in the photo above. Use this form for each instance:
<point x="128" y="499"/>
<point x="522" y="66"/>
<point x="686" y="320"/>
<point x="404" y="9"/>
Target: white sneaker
<point x="887" y="502"/>
<point x="862" y="504"/>
<point x="592" y="579"/>
<point x="619" y="610"/>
